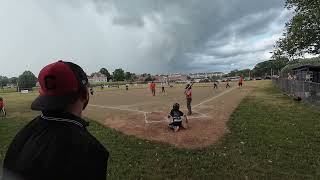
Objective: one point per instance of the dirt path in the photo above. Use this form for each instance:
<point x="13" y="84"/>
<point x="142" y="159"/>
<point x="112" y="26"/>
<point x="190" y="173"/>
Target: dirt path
<point x="205" y="127"/>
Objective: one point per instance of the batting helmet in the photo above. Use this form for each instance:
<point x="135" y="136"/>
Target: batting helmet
<point x="176" y="106"/>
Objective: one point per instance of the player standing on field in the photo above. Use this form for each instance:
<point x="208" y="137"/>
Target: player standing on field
<point x="91" y="91"/>
<point x="240" y="81"/>
<point x="215" y="85"/>
<point x="2" y="109"/>
<point x="227" y="85"/>
<point x="153" y="88"/>
<point x="188" y="93"/>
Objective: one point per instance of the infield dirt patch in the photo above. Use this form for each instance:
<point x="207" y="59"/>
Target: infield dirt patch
<point x="136" y="112"/>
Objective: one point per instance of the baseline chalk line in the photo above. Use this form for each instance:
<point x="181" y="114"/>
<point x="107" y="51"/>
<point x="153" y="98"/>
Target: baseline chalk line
<point x="116" y="108"/>
<point x="214" y="97"/>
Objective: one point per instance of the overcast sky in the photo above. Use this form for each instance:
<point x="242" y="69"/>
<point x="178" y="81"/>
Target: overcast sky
<point x="154" y="36"/>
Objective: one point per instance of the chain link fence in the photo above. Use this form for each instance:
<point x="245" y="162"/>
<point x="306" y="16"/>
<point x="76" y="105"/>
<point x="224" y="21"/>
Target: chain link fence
<point x="307" y="91"/>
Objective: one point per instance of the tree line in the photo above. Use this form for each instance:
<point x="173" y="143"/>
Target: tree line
<point x="26" y="80"/>
<point x="121" y="75"/>
<point x="262" y="69"/>
<point x="117" y="75"/>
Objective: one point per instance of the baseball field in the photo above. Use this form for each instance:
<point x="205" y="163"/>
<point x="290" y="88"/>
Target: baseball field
<point x="253" y="132"/>
<point x="136" y="112"/>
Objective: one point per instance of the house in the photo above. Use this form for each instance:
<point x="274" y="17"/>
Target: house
<point x="98" y="78"/>
<point x="177" y="78"/>
<point x="206" y="75"/>
<point x="215" y="74"/>
<point x="160" y="78"/>
<point x="309" y="73"/>
<point x="141" y="79"/>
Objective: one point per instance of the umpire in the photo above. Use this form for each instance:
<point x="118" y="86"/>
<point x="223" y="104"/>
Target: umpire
<point x="56" y="144"/>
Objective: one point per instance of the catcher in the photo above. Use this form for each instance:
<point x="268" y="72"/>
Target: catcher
<point x="177" y="119"/>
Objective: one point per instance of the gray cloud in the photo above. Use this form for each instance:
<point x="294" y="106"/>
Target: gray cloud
<point x="191" y="24"/>
<point x="156" y="36"/>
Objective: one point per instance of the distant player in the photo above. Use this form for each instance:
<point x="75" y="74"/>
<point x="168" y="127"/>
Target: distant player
<point x="2" y="109"/>
<point x="91" y="91"/>
<point x="102" y="87"/>
<point x="240" y="83"/>
<point x="227" y="85"/>
<point x="153" y="88"/>
<point x="127" y="87"/>
<point x="162" y="88"/>
<point x="215" y="85"/>
<point x="188" y="93"/>
<point x="177" y="117"/>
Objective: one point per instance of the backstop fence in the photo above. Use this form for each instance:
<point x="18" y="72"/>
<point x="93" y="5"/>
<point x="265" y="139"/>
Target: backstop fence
<point x="307" y="91"/>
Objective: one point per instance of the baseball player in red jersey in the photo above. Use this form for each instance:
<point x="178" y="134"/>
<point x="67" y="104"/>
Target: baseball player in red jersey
<point x="2" y="106"/>
<point x="153" y="88"/>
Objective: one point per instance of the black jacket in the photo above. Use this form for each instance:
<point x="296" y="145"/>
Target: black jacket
<point x="55" y="146"/>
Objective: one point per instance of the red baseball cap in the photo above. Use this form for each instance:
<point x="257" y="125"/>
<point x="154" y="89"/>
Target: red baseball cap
<point x="60" y="85"/>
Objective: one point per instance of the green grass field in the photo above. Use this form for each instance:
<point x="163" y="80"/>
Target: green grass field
<point x="272" y="137"/>
<point x="7" y="90"/>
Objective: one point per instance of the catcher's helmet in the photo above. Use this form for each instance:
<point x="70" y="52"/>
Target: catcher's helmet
<point x="176" y="106"/>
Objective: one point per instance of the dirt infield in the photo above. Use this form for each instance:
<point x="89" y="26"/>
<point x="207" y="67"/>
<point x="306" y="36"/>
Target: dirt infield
<point x="136" y="112"/>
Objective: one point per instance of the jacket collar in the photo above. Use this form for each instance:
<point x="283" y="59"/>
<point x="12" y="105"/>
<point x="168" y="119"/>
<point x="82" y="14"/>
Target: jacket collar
<point x="64" y="117"/>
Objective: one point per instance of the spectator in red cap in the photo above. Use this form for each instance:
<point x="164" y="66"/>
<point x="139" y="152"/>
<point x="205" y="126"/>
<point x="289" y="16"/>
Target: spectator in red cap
<point x="56" y="144"/>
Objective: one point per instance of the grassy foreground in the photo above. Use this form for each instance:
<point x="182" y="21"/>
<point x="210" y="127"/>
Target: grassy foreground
<point x="272" y="137"/>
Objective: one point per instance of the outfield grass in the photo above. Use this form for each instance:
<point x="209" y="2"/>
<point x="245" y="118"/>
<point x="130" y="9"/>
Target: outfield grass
<point x="7" y="90"/>
<point x="272" y="137"/>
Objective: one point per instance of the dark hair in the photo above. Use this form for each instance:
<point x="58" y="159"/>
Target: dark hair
<point x="1" y="99"/>
<point x="176" y="106"/>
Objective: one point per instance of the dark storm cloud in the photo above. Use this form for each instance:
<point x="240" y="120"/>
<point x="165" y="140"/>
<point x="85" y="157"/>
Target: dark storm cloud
<point x="191" y="25"/>
<point x="156" y="36"/>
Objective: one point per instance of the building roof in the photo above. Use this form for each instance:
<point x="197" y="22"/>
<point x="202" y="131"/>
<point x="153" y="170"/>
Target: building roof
<point x="307" y="66"/>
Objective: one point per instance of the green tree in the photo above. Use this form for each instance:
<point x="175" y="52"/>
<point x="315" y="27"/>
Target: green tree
<point x="134" y="76"/>
<point x="105" y="72"/>
<point x="128" y="76"/>
<point x="302" y="33"/>
<point x="244" y="73"/>
<point x="13" y="80"/>
<point x="263" y="68"/>
<point x="27" y="80"/>
<point x="3" y="81"/>
<point x="118" y="75"/>
<point x="148" y="78"/>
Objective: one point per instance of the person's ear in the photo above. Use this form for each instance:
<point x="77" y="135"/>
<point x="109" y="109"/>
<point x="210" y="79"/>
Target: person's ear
<point x="85" y="94"/>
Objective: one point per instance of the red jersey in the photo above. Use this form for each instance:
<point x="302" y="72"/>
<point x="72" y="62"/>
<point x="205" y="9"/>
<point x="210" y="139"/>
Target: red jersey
<point x="241" y="80"/>
<point x="188" y="93"/>
<point x="152" y="85"/>
<point x="1" y="104"/>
